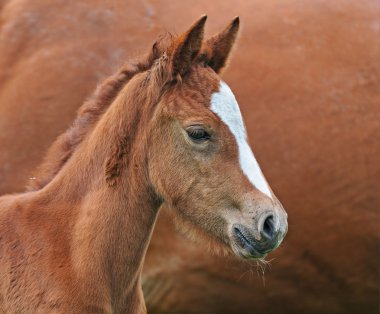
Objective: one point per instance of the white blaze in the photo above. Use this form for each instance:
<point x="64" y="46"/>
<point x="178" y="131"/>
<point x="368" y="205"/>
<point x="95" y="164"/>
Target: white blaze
<point x="224" y="104"/>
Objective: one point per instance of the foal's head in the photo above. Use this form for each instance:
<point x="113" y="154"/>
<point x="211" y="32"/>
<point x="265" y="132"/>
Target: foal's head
<point x="199" y="161"/>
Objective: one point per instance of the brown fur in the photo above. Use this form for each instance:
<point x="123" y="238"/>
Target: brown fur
<point x="76" y="242"/>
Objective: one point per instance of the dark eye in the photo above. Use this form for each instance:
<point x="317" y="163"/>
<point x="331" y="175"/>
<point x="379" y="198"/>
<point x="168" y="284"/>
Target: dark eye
<point x="197" y="133"/>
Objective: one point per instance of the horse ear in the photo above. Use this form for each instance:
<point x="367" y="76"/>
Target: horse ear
<point x="218" y="48"/>
<point x="187" y="47"/>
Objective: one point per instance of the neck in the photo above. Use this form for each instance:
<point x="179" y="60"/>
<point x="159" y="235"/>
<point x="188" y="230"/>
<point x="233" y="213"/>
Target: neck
<point x="104" y="191"/>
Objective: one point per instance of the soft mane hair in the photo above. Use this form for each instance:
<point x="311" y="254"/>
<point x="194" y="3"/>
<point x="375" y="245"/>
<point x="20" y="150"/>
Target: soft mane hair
<point x="92" y="110"/>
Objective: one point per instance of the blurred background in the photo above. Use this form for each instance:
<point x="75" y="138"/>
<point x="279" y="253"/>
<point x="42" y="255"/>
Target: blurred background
<point x="307" y="77"/>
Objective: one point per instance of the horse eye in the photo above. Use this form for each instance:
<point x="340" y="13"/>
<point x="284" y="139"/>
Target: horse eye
<point x="197" y="133"/>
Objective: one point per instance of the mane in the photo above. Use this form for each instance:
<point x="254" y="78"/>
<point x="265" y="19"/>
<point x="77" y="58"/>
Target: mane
<point x="90" y="113"/>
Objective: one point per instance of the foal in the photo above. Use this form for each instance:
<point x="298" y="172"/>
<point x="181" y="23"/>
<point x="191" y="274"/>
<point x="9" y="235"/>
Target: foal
<point x="167" y="132"/>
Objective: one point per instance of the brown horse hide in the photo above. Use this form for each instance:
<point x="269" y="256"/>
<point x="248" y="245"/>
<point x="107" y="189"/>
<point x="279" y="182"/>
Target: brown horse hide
<point x="307" y="79"/>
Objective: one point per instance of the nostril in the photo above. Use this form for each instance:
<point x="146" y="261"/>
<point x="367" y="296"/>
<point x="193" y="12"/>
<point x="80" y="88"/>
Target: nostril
<point x="268" y="229"/>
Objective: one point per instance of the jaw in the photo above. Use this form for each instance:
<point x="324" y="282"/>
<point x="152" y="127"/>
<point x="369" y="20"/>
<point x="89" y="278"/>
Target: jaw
<point x="213" y="243"/>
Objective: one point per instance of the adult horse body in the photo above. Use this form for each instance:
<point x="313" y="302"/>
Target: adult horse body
<point x="310" y="69"/>
<point x="76" y="243"/>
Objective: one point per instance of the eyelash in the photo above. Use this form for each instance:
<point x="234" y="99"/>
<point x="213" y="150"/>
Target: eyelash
<point x="197" y="134"/>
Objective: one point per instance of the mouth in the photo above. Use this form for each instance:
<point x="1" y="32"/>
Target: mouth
<point x="246" y="246"/>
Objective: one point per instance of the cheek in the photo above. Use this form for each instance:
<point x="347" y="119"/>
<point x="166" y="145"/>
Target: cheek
<point x="170" y="166"/>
